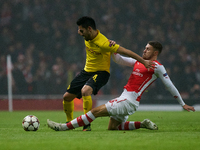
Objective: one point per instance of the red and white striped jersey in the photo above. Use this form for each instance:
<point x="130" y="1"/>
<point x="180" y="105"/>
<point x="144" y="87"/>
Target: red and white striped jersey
<point x="141" y="77"/>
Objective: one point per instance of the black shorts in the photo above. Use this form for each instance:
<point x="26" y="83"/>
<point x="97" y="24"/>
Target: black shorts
<point x="94" y="79"/>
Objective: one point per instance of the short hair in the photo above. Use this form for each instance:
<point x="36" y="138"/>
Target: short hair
<point x="156" y="45"/>
<point x="86" y="21"/>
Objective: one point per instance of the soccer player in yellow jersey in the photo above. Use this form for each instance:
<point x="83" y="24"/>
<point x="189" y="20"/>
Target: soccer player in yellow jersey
<point x="97" y="67"/>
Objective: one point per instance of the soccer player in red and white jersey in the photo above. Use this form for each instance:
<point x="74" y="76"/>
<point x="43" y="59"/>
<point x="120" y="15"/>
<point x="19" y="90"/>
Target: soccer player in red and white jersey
<point x="120" y="108"/>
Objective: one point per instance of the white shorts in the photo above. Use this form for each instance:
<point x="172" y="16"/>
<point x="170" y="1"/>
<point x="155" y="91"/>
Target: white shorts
<point x="121" y="107"/>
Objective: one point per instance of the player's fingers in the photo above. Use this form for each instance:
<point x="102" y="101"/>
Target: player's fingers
<point x="152" y="68"/>
<point x="112" y="42"/>
<point x="192" y="109"/>
<point x="188" y="109"/>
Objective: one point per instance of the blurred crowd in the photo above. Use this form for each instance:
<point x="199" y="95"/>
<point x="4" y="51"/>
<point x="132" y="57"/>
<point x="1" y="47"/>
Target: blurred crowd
<point x="47" y="52"/>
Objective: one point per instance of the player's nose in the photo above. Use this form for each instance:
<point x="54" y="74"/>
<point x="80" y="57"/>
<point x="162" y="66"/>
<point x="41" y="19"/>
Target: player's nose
<point x="79" y="32"/>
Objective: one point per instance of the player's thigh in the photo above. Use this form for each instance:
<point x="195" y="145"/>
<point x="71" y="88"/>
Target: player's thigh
<point x="99" y="79"/>
<point x="120" y="108"/>
<point x="100" y="111"/>
<point x="78" y="82"/>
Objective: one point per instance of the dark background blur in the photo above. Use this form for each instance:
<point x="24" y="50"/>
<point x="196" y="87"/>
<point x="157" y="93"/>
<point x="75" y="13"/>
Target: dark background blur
<point x="47" y="52"/>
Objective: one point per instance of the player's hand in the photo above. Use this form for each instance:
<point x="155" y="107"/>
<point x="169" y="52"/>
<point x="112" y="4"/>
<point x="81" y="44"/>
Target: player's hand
<point x="149" y="64"/>
<point x="188" y="108"/>
<point x="112" y="43"/>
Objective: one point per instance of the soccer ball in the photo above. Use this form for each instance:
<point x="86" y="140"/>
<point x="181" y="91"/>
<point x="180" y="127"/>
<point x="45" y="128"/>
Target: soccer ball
<point x="30" y="123"/>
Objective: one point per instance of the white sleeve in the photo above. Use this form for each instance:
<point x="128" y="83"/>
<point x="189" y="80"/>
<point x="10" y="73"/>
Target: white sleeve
<point x="162" y="74"/>
<point x="126" y="61"/>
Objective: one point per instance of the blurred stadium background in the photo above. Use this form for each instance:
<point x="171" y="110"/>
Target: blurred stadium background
<point x="46" y="51"/>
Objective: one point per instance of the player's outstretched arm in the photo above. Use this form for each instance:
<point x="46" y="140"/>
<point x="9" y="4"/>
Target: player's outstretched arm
<point x="124" y="51"/>
<point x="162" y="73"/>
<point x="188" y="108"/>
<point x="146" y="63"/>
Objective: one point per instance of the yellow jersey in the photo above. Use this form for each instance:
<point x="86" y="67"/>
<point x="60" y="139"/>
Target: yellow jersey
<point x="98" y="53"/>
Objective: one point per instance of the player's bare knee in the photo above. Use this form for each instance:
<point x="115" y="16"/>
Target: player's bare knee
<point x="84" y="93"/>
<point x="86" y="90"/>
<point x="67" y="97"/>
<point x="95" y="112"/>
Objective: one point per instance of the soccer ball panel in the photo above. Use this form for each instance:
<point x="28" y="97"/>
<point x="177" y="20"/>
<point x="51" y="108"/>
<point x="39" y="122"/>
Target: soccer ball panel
<point x="27" y="118"/>
<point x="25" y="124"/>
<point x="30" y="123"/>
<point x="36" y="124"/>
<point x="31" y="128"/>
<point x="34" y="118"/>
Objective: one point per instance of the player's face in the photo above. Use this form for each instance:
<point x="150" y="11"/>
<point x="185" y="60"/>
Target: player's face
<point x="84" y="32"/>
<point x="148" y="52"/>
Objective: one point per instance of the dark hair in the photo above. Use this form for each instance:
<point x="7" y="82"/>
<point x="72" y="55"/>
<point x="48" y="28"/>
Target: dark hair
<point x="85" y="22"/>
<point x="156" y="45"/>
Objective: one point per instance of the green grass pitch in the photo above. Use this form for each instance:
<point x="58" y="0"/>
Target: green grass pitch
<point x="176" y="131"/>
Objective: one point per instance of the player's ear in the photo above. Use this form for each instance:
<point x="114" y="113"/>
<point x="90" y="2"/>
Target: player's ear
<point x="156" y="53"/>
<point x="89" y="28"/>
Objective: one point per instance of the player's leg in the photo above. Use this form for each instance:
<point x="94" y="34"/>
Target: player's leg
<point x="81" y="120"/>
<point x="119" y="109"/>
<point x="68" y="105"/>
<point x="99" y="79"/>
<point x="119" y="122"/>
<point x="87" y="103"/>
<point x="128" y="125"/>
<point x="73" y="91"/>
<point x="87" y="99"/>
<point x="87" y="118"/>
<point x="131" y="125"/>
<point x="113" y="124"/>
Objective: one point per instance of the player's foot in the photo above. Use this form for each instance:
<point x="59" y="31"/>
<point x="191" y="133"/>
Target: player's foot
<point x="146" y="123"/>
<point x="87" y="127"/>
<point x="54" y="125"/>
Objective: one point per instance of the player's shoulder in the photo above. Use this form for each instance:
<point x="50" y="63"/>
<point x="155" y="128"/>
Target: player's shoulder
<point x="157" y="62"/>
<point x="101" y="39"/>
<point x="159" y="66"/>
<point x="104" y="44"/>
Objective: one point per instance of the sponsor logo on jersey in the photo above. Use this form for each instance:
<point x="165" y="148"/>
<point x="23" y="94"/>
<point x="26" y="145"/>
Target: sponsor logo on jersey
<point x="137" y="73"/>
<point x="92" y="51"/>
